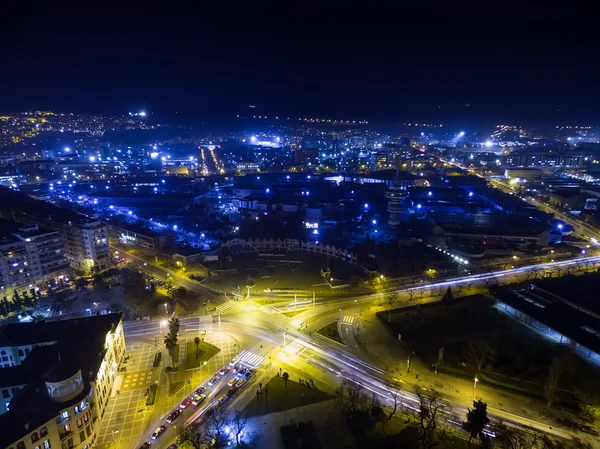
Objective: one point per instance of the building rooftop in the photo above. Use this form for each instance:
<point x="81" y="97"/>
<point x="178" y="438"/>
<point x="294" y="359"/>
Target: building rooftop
<point x="78" y="344"/>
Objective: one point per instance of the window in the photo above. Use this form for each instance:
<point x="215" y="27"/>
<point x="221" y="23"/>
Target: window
<point x="67" y="428"/>
<point x="85" y="417"/>
<point x="20" y="445"/>
<point x="43" y="431"/>
<point x="34" y="437"/>
<point x="76" y="410"/>
<point x="79" y="422"/>
<point x="38" y="447"/>
<point x="5" y="394"/>
<point x="21" y="353"/>
<point x="82" y="436"/>
<point x="64" y="415"/>
<point x="46" y="444"/>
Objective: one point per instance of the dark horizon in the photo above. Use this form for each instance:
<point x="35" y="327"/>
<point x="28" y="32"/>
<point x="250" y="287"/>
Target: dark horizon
<point x="510" y="64"/>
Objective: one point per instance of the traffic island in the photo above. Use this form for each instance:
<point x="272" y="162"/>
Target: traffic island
<point x="196" y="355"/>
<point x="331" y="331"/>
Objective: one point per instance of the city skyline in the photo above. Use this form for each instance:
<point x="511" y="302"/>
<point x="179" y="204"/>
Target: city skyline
<point x="206" y="63"/>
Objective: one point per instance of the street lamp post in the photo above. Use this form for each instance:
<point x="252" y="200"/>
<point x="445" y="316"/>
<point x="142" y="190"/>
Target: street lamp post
<point x="201" y="366"/>
<point x="475" y="387"/>
<point x="166" y="308"/>
<point x="113" y="437"/>
<point x="162" y="323"/>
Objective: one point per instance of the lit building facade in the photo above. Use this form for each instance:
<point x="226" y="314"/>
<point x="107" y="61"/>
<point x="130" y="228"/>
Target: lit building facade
<point x="68" y="382"/>
<point x="30" y="257"/>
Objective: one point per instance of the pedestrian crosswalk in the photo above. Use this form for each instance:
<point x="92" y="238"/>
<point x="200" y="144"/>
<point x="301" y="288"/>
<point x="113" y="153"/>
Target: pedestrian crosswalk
<point x="249" y="358"/>
<point x="348" y="319"/>
<point x="296" y="323"/>
<point x="223" y="307"/>
<point x="294" y="348"/>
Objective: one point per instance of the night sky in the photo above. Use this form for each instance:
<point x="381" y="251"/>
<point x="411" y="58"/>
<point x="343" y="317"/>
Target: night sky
<point x="508" y="62"/>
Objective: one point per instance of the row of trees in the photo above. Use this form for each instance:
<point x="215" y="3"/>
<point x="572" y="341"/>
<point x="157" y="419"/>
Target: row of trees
<point x="19" y="302"/>
<point x="430" y="425"/>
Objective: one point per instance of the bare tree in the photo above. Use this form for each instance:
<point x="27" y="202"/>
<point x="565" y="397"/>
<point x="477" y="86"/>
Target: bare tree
<point x="429" y="422"/>
<point x="352" y="396"/>
<point x="553" y="380"/>
<point x="190" y="437"/>
<point x="517" y="438"/>
<point x="239" y="423"/>
<point x="215" y="435"/>
<point x="479" y="352"/>
<point x="388" y="290"/>
<point x="395" y="394"/>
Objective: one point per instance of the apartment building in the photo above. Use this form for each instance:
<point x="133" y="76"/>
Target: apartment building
<point x="86" y="243"/>
<point x="30" y="257"/>
<point x="61" y="383"/>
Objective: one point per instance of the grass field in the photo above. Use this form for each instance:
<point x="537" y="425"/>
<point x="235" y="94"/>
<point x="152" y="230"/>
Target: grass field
<point x="205" y="352"/>
<point x="331" y="331"/>
<point x="276" y="397"/>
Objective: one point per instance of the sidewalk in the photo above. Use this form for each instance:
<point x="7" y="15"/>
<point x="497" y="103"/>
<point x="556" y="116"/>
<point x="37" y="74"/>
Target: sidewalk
<point x="391" y="355"/>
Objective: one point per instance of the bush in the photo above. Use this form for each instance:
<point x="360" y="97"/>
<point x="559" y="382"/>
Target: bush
<point x="151" y="397"/>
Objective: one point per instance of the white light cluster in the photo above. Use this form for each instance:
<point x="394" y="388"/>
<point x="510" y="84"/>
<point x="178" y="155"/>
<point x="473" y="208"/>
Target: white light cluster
<point x="456" y="258"/>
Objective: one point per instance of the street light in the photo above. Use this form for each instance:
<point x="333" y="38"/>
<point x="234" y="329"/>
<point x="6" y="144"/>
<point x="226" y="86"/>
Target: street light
<point x="201" y="366"/>
<point x="113" y="437"/>
<point x="166" y="309"/>
<point x="162" y="323"/>
<point x="475" y="387"/>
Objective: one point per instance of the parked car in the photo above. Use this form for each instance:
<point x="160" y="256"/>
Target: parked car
<point x="232" y="381"/>
<point x="198" y="399"/>
<point x="250" y="373"/>
<point x="172" y="446"/>
<point x="187" y="401"/>
<point x="222" y="399"/>
<point x="241" y="382"/>
<point x="173" y="416"/>
<point x="158" y="432"/>
<point x="591" y="430"/>
<point x="146" y="445"/>
<point x="567" y="422"/>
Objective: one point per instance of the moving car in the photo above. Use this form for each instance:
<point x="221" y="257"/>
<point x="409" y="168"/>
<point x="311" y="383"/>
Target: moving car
<point x="224" y="370"/>
<point x="146" y="445"/>
<point x="232" y="381"/>
<point x="234" y="361"/>
<point x="241" y="382"/>
<point x="243" y="370"/>
<point x="235" y="369"/>
<point x="250" y="373"/>
<point x="187" y="401"/>
<point x="213" y="380"/>
<point x="222" y="399"/>
<point x="158" y="432"/>
<point x="199" y="391"/>
<point x="173" y="416"/>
